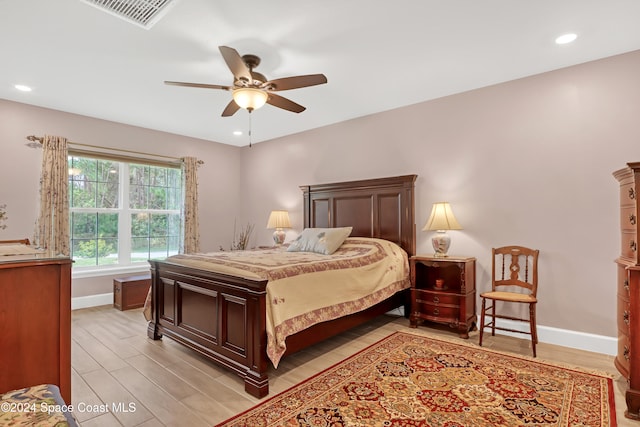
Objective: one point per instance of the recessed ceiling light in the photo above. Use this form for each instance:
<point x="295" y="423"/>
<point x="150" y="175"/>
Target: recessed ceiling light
<point x="237" y="132"/>
<point x="566" y="38"/>
<point x="23" y="88"/>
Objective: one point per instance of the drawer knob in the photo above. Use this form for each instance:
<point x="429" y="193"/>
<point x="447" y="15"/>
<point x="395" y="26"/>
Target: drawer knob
<point x="625" y="317"/>
<point x="632" y="193"/>
<point x="633" y="245"/>
<point x="626" y="352"/>
<point x="436" y="300"/>
<point x="632" y="219"/>
<point x="436" y="312"/>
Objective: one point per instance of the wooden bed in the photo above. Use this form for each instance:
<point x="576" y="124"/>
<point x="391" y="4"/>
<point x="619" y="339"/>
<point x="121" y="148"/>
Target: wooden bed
<point x="223" y="317"/>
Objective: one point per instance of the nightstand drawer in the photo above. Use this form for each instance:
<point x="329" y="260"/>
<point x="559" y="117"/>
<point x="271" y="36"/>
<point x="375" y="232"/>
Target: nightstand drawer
<point x="437" y="312"/>
<point x="437" y="297"/>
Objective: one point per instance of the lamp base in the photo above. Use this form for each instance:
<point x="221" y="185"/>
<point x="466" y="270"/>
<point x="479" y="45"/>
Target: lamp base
<point x="441" y="242"/>
<point x="278" y="236"/>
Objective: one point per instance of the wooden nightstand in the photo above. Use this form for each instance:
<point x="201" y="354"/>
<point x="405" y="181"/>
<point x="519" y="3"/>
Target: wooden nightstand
<point x="454" y="303"/>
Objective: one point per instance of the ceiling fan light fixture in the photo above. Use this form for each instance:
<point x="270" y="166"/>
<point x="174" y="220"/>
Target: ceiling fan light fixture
<point x="250" y="98"/>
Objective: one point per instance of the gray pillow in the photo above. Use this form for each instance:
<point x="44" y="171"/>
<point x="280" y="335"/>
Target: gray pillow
<point x="320" y="240"/>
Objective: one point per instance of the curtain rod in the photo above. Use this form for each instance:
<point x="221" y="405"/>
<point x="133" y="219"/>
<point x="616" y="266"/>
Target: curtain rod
<point x="40" y="139"/>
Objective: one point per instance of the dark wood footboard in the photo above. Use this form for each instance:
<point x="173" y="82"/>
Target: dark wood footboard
<point x="221" y="317"/>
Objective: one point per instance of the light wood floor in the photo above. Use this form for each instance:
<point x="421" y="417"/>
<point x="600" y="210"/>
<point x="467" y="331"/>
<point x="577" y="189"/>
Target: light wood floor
<point x="161" y="383"/>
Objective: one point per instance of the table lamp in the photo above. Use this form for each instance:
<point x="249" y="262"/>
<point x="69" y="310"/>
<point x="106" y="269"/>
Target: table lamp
<point x="441" y="220"/>
<point x="279" y="220"/>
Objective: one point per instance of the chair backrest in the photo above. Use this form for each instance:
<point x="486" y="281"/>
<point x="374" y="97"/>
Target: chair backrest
<point x="515" y="266"/>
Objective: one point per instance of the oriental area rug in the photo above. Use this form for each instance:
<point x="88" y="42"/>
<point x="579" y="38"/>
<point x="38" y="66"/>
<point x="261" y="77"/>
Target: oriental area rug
<point x="406" y="380"/>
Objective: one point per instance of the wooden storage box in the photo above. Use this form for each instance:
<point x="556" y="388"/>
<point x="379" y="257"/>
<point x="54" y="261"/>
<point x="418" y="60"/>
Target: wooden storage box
<point x="130" y="292"/>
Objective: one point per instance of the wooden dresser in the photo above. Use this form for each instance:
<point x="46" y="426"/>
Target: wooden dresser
<point x="627" y="360"/>
<point x="35" y="322"/>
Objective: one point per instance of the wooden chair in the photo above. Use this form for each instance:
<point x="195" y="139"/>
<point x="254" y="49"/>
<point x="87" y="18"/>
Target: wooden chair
<point x="515" y="282"/>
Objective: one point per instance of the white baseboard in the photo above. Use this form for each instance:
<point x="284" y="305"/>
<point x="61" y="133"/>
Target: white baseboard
<point x="563" y="337"/>
<point x="91" y="301"/>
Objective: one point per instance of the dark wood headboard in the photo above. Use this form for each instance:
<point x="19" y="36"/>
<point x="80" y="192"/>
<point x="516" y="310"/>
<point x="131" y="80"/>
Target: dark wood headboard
<point x="383" y="208"/>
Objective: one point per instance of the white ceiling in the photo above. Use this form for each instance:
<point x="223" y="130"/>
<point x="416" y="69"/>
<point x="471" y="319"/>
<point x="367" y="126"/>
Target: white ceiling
<point x="376" y="55"/>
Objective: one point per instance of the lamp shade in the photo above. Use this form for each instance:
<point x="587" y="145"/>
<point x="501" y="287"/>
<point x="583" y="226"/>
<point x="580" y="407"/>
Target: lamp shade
<point x="279" y="219"/>
<point x="250" y="98"/>
<point x="442" y="218"/>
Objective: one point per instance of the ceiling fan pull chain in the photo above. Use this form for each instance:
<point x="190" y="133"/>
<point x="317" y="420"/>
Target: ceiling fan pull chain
<point x="249" y="129"/>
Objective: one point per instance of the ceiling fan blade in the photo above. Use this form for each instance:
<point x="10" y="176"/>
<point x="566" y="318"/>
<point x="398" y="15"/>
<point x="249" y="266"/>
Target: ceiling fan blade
<point x="231" y="109"/>
<point x="296" y="82"/>
<point x="284" y="103"/>
<point x="200" y="85"/>
<point x="235" y="63"/>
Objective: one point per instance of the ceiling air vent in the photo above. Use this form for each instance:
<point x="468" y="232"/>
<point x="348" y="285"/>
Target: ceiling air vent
<point x="144" y="13"/>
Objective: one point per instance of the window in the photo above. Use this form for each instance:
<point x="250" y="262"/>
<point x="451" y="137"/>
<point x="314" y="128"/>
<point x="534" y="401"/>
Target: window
<point x="122" y="213"/>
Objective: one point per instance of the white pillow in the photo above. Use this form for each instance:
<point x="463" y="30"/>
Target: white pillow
<point x="320" y="240"/>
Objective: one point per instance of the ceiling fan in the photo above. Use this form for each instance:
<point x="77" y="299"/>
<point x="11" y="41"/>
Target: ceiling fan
<point x="251" y="90"/>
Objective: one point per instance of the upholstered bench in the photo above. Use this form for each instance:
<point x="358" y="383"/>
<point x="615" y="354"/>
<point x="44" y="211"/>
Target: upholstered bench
<point x="40" y="405"/>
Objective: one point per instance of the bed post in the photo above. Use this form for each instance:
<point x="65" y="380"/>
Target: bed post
<point x="256" y="380"/>
<point x="306" y="209"/>
<point x="152" y="327"/>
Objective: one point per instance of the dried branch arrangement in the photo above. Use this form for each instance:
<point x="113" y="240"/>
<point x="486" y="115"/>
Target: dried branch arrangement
<point x="240" y="239"/>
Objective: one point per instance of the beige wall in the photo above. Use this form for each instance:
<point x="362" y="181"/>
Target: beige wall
<point x="527" y="162"/>
<point x="219" y="177"/>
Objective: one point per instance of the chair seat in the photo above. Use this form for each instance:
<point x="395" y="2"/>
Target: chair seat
<point x="509" y="296"/>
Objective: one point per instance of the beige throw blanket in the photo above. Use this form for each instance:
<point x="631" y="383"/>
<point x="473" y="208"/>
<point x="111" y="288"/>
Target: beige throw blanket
<point x="307" y="288"/>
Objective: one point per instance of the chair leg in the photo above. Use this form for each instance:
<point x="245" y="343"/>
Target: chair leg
<point x="534" y="329"/>
<point x="493" y="318"/>
<point x="482" y="321"/>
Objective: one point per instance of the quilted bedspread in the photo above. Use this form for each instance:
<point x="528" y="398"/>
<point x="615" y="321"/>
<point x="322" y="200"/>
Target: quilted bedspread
<point x="306" y="288"/>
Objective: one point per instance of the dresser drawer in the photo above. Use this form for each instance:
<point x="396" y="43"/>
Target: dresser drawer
<point x="624" y="355"/>
<point x="629" y="246"/>
<point x="624" y="312"/>
<point x="628" y="218"/>
<point x="623" y="282"/>
<point x="628" y="192"/>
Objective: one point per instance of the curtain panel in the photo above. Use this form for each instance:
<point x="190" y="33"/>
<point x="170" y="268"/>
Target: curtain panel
<point x="191" y="228"/>
<point x="52" y="224"/>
